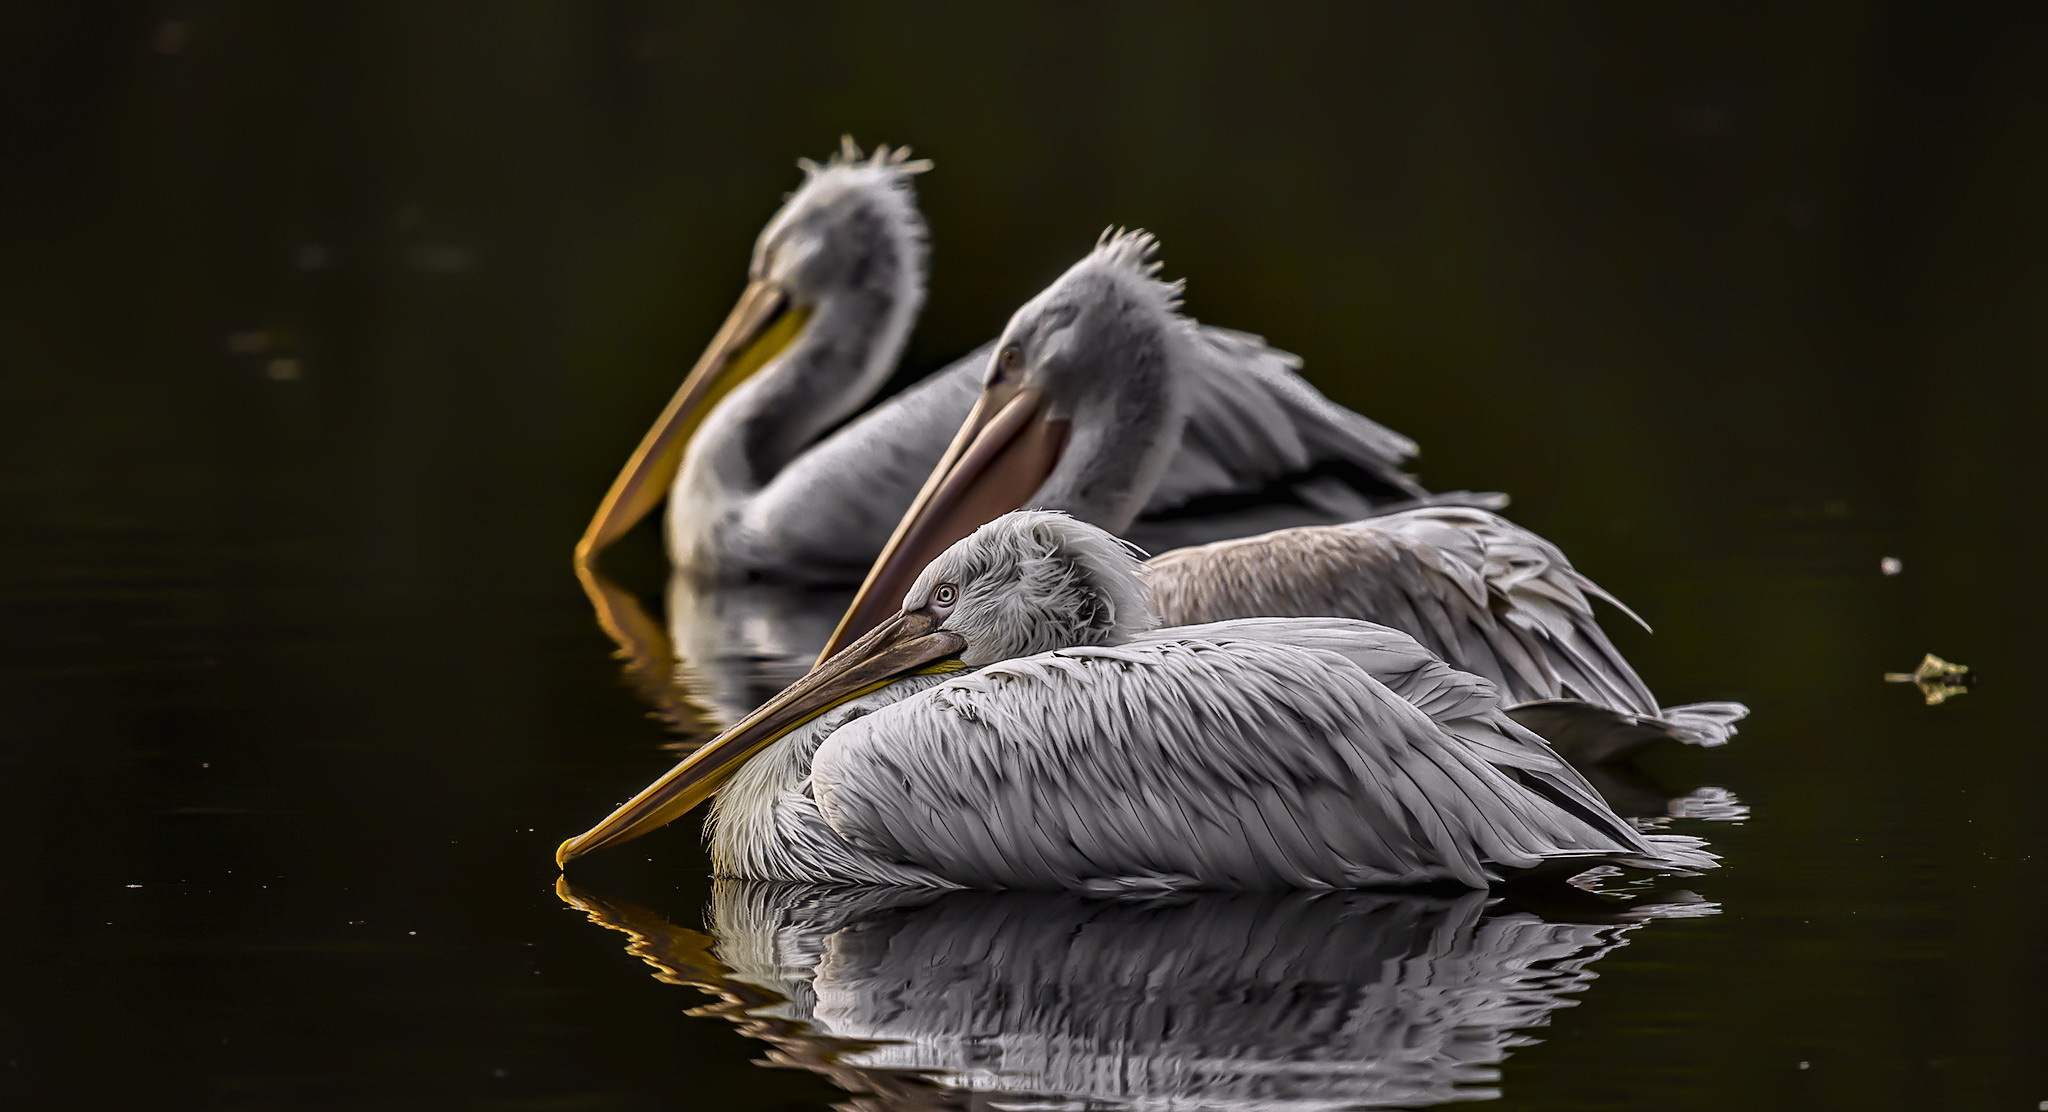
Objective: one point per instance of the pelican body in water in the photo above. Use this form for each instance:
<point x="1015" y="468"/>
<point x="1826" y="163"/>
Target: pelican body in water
<point x="1085" y="399"/>
<point x="757" y="489"/>
<point x="1019" y="724"/>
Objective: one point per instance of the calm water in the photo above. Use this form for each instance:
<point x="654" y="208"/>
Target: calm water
<point x="323" y="330"/>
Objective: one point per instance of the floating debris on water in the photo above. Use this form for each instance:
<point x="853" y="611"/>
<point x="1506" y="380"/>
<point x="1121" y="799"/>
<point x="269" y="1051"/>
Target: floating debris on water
<point x="1936" y="678"/>
<point x="282" y="370"/>
<point x="1891" y="565"/>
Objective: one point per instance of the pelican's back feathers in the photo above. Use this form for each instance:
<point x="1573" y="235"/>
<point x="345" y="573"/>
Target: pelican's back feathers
<point x="1484" y="593"/>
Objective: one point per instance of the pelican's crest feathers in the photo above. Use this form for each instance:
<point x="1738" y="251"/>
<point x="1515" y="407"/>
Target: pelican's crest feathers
<point x="884" y="177"/>
<point x="895" y="162"/>
<point x="1132" y="254"/>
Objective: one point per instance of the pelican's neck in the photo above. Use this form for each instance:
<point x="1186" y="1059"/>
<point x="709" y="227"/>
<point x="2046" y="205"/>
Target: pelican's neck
<point x="844" y="354"/>
<point x="763" y="823"/>
<point x="1122" y="439"/>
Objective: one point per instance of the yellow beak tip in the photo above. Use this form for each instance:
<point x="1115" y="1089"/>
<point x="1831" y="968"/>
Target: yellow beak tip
<point x="564" y="853"/>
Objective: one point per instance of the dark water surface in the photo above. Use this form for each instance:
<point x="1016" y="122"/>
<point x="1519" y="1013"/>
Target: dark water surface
<point x="324" y="327"/>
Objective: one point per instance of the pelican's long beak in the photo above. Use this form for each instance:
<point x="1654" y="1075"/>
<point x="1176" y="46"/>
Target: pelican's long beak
<point x="907" y="643"/>
<point x="1009" y="446"/>
<point x="756" y="331"/>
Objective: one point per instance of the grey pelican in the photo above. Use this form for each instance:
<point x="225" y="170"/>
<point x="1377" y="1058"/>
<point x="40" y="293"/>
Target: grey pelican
<point x="1083" y="401"/>
<point x="1083" y="749"/>
<point x="1211" y="1000"/>
<point x="757" y="489"/>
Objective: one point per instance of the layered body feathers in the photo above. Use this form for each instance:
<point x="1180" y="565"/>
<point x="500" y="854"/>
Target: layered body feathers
<point x="1259" y="753"/>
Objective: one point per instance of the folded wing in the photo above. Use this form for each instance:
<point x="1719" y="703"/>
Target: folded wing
<point x="1208" y="759"/>
<point x="1489" y="596"/>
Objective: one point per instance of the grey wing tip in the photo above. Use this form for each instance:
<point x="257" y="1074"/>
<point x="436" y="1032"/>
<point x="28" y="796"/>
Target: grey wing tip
<point x="1586" y="734"/>
<point x="1704" y="724"/>
<point x="1667" y="853"/>
<point x="1675" y="853"/>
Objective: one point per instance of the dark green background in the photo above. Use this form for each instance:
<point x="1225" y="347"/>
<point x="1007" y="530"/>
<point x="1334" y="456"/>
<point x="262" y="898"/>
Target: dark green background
<point x="1736" y="300"/>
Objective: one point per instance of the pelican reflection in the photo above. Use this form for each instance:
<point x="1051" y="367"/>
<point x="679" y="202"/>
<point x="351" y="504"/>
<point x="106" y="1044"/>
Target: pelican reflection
<point x="724" y="648"/>
<point x="1307" y="1000"/>
<point x="738" y="644"/>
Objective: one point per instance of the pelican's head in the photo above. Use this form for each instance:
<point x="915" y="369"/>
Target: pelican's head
<point x="846" y="252"/>
<point x="1105" y="335"/>
<point x="1080" y="411"/>
<point x="1027" y="582"/>
<point x="1030" y="582"/>
<point x="851" y="231"/>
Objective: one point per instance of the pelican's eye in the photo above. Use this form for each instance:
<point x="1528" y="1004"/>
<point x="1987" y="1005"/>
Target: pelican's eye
<point x="945" y="595"/>
<point x="1008" y="360"/>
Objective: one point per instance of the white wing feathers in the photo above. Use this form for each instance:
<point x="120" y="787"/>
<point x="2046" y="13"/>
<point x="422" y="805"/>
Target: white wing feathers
<point x="1212" y="759"/>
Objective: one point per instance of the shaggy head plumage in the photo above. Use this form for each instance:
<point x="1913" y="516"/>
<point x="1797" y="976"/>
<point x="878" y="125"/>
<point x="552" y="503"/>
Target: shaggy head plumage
<point x="1032" y="581"/>
<point x="1131" y="256"/>
<point x="853" y="224"/>
<point x="1112" y="298"/>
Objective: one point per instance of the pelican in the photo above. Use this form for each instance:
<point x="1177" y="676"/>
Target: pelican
<point x="1298" y="1000"/>
<point x="1018" y="723"/>
<point x="757" y="489"/>
<point x="1083" y="402"/>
